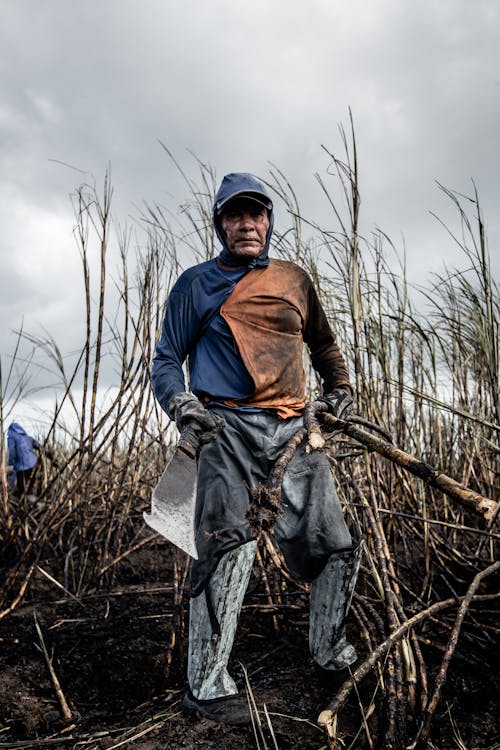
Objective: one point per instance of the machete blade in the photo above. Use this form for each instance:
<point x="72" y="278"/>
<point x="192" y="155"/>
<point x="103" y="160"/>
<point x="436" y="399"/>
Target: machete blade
<point x="173" y="503"/>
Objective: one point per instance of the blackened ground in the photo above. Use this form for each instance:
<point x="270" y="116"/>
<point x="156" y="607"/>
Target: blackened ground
<point x="109" y="652"/>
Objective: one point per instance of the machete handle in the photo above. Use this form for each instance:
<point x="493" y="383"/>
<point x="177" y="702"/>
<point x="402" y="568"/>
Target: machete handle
<point x="189" y="442"/>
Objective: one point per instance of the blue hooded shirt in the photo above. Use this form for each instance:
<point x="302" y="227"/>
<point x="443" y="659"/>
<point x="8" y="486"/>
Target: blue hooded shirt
<point x="21" y="448"/>
<point x="193" y="328"/>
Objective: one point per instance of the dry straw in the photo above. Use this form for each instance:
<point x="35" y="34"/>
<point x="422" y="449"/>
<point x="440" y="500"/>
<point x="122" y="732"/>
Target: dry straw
<point x="426" y="368"/>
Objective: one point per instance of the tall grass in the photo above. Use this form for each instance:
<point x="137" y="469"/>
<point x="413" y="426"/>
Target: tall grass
<point x="426" y="367"/>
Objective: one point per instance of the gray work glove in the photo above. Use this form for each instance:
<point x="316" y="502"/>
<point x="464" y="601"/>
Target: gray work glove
<point x="339" y="402"/>
<point x="189" y="414"/>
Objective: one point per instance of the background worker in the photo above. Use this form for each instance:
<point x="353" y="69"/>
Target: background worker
<point x="22" y="450"/>
<point x="241" y="321"/>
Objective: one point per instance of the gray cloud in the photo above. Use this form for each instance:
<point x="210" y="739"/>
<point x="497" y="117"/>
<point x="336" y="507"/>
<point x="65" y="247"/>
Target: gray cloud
<point x="241" y="86"/>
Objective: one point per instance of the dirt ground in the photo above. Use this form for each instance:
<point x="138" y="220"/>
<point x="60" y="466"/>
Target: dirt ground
<point x="108" y="652"/>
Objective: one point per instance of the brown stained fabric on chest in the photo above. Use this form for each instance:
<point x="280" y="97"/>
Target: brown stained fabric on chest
<point x="267" y="313"/>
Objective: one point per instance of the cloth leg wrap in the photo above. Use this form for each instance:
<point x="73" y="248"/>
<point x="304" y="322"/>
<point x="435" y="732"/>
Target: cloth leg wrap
<point x="209" y="650"/>
<point x="331" y="595"/>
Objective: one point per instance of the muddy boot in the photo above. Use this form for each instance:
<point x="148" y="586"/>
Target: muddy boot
<point x="331" y="595"/>
<point x="230" y="709"/>
<point x="213" y="618"/>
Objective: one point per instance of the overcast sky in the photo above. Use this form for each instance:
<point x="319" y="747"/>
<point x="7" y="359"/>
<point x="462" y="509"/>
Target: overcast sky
<point x="242" y="85"/>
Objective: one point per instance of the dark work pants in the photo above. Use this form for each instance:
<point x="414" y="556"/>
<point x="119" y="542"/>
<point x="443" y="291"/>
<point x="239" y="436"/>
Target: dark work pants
<point x="24" y="481"/>
<point x="242" y="455"/>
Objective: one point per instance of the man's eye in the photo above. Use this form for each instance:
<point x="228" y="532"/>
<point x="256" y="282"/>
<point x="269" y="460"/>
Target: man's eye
<point x="256" y="215"/>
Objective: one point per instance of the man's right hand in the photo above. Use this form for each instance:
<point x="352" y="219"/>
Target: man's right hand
<point x="189" y="413"/>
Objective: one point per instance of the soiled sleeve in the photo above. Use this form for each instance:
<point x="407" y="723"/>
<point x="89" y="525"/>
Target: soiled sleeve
<point x="326" y="357"/>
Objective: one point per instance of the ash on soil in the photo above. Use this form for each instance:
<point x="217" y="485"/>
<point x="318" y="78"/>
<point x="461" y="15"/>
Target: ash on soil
<point x="109" y="652"/>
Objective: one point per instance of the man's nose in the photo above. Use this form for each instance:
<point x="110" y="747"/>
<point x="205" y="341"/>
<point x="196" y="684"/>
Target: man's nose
<point x="247" y="221"/>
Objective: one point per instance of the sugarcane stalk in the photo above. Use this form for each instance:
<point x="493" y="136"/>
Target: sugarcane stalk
<point x="434" y="477"/>
<point x="66" y="711"/>
<point x="328" y="717"/>
<point x="430" y="710"/>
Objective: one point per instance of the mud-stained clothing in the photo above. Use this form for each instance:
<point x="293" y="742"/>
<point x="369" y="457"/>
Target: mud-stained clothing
<point x="242" y="455"/>
<point x="242" y="325"/>
<point x="243" y="332"/>
<point x="272" y="313"/>
<point x="241" y="322"/>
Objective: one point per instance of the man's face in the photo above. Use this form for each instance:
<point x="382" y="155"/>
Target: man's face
<point x="244" y="225"/>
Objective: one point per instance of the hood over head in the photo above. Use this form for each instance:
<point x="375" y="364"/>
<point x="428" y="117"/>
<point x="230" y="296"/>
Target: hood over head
<point x="242" y="185"/>
<point x="15" y="427"/>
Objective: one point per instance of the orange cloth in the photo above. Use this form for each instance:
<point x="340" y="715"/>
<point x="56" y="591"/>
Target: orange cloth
<point x="271" y="313"/>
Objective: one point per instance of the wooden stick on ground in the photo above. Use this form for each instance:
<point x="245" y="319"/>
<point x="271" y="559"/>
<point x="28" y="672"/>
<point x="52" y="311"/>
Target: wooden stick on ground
<point x="328" y="717"/>
<point x="20" y="595"/>
<point x="423" y="732"/>
<point x="57" y="685"/>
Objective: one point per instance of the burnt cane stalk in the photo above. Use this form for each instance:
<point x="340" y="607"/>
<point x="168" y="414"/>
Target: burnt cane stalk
<point x="471" y="500"/>
<point x="266" y="505"/>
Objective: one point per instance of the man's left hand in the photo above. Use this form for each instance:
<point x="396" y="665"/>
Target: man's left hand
<point x="339" y="402"/>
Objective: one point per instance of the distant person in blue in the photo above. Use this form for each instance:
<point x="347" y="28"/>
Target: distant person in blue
<point x="23" y="459"/>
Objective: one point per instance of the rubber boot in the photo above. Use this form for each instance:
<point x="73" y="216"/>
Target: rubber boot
<point x="331" y="595"/>
<point x="213" y="619"/>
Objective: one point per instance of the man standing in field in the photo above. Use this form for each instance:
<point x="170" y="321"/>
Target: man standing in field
<point x="241" y="321"/>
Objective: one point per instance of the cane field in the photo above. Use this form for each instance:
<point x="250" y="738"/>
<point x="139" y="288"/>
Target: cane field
<point x="93" y="603"/>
